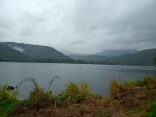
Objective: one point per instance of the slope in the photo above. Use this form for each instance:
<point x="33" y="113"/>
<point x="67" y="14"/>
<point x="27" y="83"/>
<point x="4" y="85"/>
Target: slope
<point x="8" y="54"/>
<point x="110" y="53"/>
<point x="145" y="57"/>
<point x="37" y="51"/>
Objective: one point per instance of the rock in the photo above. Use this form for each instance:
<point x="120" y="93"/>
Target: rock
<point x="10" y="88"/>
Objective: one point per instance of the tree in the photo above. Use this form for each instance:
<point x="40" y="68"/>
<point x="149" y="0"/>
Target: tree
<point x="155" y="61"/>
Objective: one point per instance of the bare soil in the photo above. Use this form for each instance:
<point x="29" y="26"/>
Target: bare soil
<point x="129" y="103"/>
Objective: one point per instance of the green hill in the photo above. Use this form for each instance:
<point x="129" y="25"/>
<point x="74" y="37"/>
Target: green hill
<point x="10" y="51"/>
<point x="37" y="51"/>
<point x="145" y="57"/>
<point x="9" y="54"/>
<point x="95" y="58"/>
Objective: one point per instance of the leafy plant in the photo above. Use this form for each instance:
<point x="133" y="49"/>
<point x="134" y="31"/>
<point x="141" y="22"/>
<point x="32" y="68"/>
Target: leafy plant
<point x="41" y="95"/>
<point x="7" y="105"/>
<point x="155" y="61"/>
<point x="152" y="112"/>
<point x="115" y="89"/>
<point x="4" y="94"/>
<point x="74" y="91"/>
<point x="8" y="100"/>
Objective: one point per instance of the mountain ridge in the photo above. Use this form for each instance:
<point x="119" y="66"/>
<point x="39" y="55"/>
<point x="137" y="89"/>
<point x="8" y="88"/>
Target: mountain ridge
<point x="144" y="57"/>
<point x="11" y="51"/>
<point x="10" y="54"/>
<point x="110" y="53"/>
<point x="37" y="51"/>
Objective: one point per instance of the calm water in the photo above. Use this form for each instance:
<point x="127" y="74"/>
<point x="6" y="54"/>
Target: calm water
<point x="98" y="76"/>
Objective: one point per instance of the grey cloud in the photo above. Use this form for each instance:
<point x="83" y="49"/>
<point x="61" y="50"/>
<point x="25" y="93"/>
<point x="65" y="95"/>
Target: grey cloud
<point x="76" y="42"/>
<point x="82" y="26"/>
<point x="135" y="27"/>
<point x="32" y="19"/>
<point x="29" y="32"/>
<point x="6" y="23"/>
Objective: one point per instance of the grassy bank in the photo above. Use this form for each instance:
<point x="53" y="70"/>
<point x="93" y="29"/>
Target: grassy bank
<point x="127" y="99"/>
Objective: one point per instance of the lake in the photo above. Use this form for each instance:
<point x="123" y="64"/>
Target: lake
<point x="98" y="76"/>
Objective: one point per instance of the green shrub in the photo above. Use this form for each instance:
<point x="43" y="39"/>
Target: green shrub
<point x="152" y="112"/>
<point x="74" y="91"/>
<point x="40" y="95"/>
<point x="149" y="82"/>
<point x="115" y="89"/>
<point x="4" y="94"/>
<point x="7" y="105"/>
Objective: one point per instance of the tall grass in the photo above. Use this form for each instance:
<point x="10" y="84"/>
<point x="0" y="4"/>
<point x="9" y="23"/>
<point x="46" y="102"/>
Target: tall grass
<point x="152" y="112"/>
<point x="8" y="100"/>
<point x="147" y="82"/>
<point x="117" y="89"/>
<point x="74" y="91"/>
<point x="39" y="94"/>
<point x="4" y="94"/>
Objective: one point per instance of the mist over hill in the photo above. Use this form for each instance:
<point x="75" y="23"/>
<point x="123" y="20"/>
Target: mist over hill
<point x="10" y="54"/>
<point x="68" y="53"/>
<point x="20" y="52"/>
<point x="127" y="57"/>
<point x="88" y="58"/>
<point x="37" y="51"/>
<point x="110" y="53"/>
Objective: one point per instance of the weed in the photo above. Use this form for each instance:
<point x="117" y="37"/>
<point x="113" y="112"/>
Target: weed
<point x="7" y="105"/>
<point x="152" y="112"/>
<point x="51" y="81"/>
<point x="4" y="94"/>
<point x="149" y="82"/>
<point x="25" y="102"/>
<point x="41" y="95"/>
<point x="114" y="101"/>
<point x="8" y="100"/>
<point x="97" y="112"/>
<point x="79" y="108"/>
<point x="27" y="79"/>
<point x="73" y="91"/>
<point x="131" y="108"/>
<point x="115" y="89"/>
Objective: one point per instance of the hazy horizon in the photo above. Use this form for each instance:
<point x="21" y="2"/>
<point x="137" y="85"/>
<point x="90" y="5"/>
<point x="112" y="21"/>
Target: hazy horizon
<point x="70" y="51"/>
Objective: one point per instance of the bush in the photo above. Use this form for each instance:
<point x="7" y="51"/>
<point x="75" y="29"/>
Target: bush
<point x="40" y="95"/>
<point x="74" y="91"/>
<point x="8" y="100"/>
<point x="115" y="89"/>
<point x="4" y="94"/>
<point x="152" y="112"/>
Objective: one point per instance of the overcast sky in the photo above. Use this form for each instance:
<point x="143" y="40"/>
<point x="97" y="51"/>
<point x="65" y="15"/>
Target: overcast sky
<point x="82" y="26"/>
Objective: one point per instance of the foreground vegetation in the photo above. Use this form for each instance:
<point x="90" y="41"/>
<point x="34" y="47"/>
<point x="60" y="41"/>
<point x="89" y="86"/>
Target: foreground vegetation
<point x="127" y="99"/>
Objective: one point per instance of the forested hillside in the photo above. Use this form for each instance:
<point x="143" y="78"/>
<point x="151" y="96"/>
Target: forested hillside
<point x="111" y="53"/>
<point x="9" y="54"/>
<point x="145" y="57"/>
<point x="10" y="51"/>
<point x="88" y="58"/>
<point x="37" y="51"/>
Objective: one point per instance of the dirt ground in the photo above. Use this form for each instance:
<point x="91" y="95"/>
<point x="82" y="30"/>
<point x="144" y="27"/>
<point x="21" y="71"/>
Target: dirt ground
<point x="132" y="103"/>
